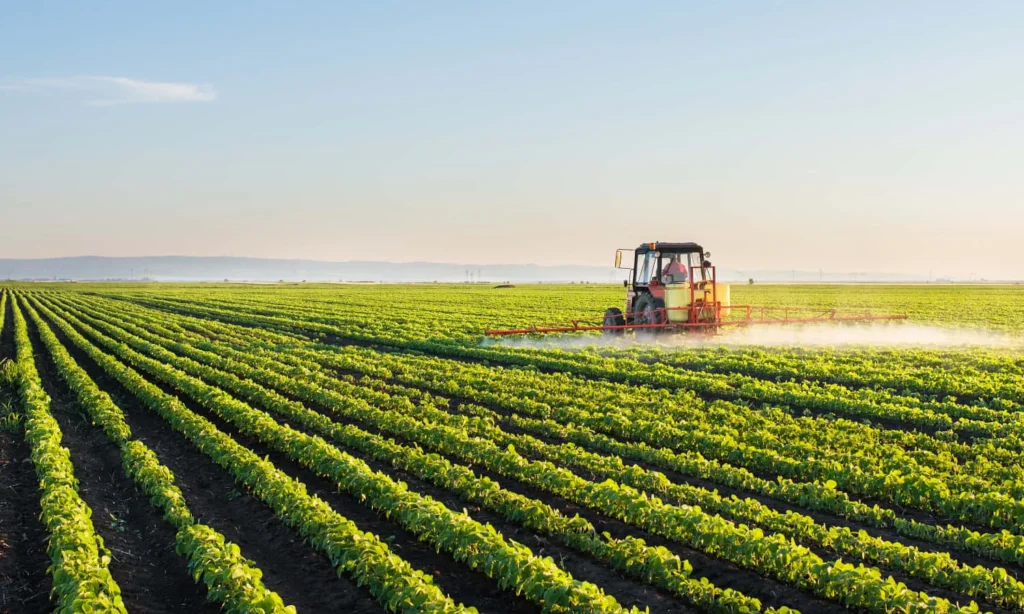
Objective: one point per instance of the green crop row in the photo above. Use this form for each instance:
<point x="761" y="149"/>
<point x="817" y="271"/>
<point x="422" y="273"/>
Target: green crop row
<point x="394" y="582"/>
<point x="480" y="546"/>
<point x="230" y="578"/>
<point x="79" y="560"/>
<point x="868" y="403"/>
<point x="10" y="420"/>
<point x="855" y="586"/>
<point x="1001" y="546"/>
<point x="898" y="477"/>
<point x="994" y="585"/>
<point x="856" y="436"/>
<point x="924" y="383"/>
<point x="904" y="487"/>
<point x="631" y="555"/>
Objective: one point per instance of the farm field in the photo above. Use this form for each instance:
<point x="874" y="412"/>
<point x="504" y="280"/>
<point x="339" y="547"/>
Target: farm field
<point x="315" y="448"/>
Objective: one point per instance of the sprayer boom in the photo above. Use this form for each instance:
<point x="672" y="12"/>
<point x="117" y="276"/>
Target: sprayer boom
<point x="750" y="316"/>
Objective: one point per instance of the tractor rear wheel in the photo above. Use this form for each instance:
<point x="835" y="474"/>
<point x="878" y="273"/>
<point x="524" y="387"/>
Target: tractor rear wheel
<point x="613" y="317"/>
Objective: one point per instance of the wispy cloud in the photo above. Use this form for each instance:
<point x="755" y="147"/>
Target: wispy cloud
<point x="107" y="91"/>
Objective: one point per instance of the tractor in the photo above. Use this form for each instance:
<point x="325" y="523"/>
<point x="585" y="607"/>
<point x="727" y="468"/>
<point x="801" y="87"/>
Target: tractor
<point x="671" y="284"/>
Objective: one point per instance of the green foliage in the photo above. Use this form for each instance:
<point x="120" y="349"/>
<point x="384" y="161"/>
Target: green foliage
<point x="919" y="447"/>
<point x="230" y="579"/>
<point x="79" y="560"/>
<point x="391" y="579"/>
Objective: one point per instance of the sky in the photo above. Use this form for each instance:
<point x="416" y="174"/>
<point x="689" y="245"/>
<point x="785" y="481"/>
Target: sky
<point x="852" y="137"/>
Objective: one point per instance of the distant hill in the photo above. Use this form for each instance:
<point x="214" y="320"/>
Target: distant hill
<point x="191" y="268"/>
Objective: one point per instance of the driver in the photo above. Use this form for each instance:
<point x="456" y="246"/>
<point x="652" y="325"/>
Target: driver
<point x="674" y="272"/>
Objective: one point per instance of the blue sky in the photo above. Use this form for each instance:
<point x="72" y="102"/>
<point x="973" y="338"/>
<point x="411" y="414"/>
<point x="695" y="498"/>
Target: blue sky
<point x="875" y="136"/>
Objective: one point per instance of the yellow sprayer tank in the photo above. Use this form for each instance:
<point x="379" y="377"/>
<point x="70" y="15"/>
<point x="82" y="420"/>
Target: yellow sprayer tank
<point x="677" y="299"/>
<point x="723" y="298"/>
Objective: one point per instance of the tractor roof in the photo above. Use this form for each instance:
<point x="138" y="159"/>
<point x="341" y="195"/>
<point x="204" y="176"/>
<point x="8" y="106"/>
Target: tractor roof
<point x="682" y="248"/>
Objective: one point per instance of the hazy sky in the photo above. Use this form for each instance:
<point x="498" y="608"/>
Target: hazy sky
<point x="863" y="136"/>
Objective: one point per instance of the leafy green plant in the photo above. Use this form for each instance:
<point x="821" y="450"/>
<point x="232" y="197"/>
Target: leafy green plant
<point x="79" y="560"/>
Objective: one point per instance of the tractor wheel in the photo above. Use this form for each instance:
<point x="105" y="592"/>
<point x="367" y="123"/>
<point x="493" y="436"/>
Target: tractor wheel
<point x="613" y="317"/>
<point x="647" y="311"/>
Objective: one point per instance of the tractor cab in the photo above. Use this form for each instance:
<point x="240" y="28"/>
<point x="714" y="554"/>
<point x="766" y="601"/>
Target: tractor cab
<point x="667" y="263"/>
<point x="669" y="283"/>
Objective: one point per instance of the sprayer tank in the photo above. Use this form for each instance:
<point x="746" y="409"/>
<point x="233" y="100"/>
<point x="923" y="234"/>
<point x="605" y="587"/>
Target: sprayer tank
<point x="677" y="298"/>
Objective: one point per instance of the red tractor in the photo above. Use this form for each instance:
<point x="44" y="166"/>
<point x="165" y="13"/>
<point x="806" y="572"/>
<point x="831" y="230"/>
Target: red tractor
<point x="673" y="284"/>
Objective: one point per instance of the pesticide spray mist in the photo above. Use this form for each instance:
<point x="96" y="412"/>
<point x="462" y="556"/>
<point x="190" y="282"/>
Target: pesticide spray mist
<point x="891" y="335"/>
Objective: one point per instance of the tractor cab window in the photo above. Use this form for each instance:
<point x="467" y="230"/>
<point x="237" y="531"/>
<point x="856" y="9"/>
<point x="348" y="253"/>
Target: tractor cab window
<point x="675" y="268"/>
<point x="699" y="273"/>
<point x="646" y="267"/>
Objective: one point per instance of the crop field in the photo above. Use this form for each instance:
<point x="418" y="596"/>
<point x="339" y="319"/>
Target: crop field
<point x="362" y="448"/>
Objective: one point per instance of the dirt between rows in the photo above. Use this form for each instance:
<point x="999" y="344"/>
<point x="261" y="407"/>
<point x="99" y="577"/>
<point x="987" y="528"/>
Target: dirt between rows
<point x="24" y="583"/>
